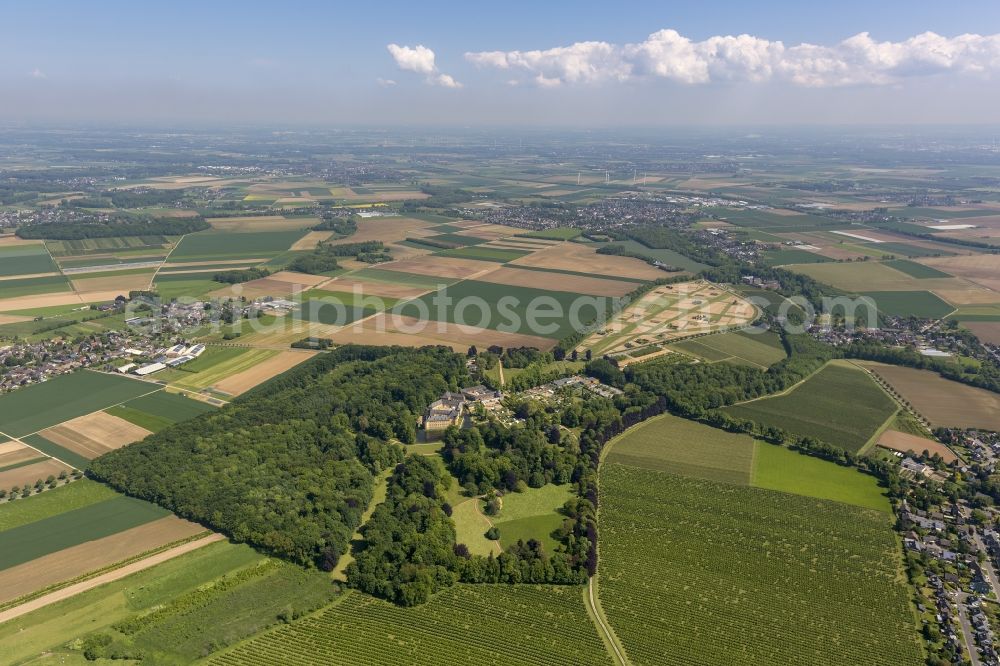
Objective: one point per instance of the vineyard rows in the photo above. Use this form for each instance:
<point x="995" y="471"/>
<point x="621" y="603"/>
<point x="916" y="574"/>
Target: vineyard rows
<point x="694" y="571"/>
<point x="482" y="624"/>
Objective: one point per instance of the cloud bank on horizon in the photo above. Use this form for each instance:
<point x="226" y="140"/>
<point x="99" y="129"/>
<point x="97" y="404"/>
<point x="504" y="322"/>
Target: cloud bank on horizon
<point x="666" y="54"/>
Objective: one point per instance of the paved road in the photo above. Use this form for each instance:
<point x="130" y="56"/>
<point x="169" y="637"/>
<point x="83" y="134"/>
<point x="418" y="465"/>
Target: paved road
<point x="968" y="633"/>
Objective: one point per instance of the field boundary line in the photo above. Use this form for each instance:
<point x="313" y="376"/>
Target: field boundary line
<point x="109" y="577"/>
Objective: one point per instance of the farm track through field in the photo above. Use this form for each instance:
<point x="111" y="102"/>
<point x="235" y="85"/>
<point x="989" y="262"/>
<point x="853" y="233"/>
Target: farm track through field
<point x="111" y="576"/>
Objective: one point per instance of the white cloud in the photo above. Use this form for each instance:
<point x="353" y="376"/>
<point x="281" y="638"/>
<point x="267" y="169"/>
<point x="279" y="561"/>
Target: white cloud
<point x="420" y="59"/>
<point x="666" y="54"/>
<point x="385" y="83"/>
<point x="37" y="74"/>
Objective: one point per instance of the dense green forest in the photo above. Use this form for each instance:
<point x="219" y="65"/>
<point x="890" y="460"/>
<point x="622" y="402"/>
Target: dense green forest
<point x="241" y="275"/>
<point x="288" y="467"/>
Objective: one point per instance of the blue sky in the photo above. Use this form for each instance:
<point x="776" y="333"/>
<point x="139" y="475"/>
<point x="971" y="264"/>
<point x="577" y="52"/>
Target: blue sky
<point x="538" y="63"/>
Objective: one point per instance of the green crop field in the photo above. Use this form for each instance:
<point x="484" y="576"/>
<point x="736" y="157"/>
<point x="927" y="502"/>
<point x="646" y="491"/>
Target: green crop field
<point x="559" y="233"/>
<point x="455" y="240"/>
<point x="694" y="571"/>
<point x="217" y="363"/>
<point x="907" y="250"/>
<point x="913" y="269"/>
<point x="779" y="468"/>
<point x="671" y="444"/>
<point x="33" y="286"/>
<point x="793" y="256"/>
<point x="840" y="405"/>
<point x="70" y="528"/>
<point x="170" y="407"/>
<point x="668" y="257"/>
<point x="209" y="245"/>
<point x="397" y="277"/>
<point x="762" y="219"/>
<point x="465" y="624"/>
<point x="497" y="254"/>
<point x="39" y="406"/>
<point x="909" y="303"/>
<point x="25" y="260"/>
<point x="56" y="451"/>
<point x="513" y="319"/>
<point x="75" y="495"/>
<point x="760" y="349"/>
<point x="102" y="245"/>
<point x="324" y="311"/>
<point x="179" y="285"/>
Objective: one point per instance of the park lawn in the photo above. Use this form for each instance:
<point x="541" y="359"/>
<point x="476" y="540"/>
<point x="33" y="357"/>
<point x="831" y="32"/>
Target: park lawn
<point x="207" y="245"/>
<point x="919" y="271"/>
<point x="512" y="319"/>
<point x="539" y="528"/>
<point x="463" y="624"/>
<point x="39" y="406"/>
<point x="172" y="407"/>
<point x="74" y="495"/>
<point x="839" y="405"/>
<point x="922" y="304"/>
<point x="25" y="260"/>
<point x="496" y="254"/>
<point x="470" y="528"/>
<point x="49" y="629"/>
<point x="533" y="514"/>
<point x="779" y="468"/>
<point x="670" y="443"/>
<point x="70" y="528"/>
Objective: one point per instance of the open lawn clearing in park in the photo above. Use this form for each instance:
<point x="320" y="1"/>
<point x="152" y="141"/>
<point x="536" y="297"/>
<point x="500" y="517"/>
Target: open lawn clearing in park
<point x="94" y="434"/>
<point x="436" y="266"/>
<point x="564" y="367"/>
<point x="942" y="402"/>
<point x="909" y="304"/>
<point x="162" y="405"/>
<point x="216" y="363"/>
<point x="39" y="406"/>
<point x="986" y="331"/>
<point x="671" y="444"/>
<point x="471" y="526"/>
<point x="779" y="468"/>
<point x="218" y="245"/>
<point x="584" y="257"/>
<point x="913" y="269"/>
<point x="840" y="405"/>
<point x="92" y="555"/>
<point x="756" y="348"/>
<point x="50" y="628"/>
<point x="533" y="514"/>
<point x="25" y="260"/>
<point x="27" y="475"/>
<point x="26" y="542"/>
<point x="483" y="254"/>
<point x="668" y="312"/>
<point x="519" y="310"/>
<point x="463" y="624"/>
<point x="386" y="329"/>
<point x="799" y="580"/>
<point x="243" y="381"/>
<point x="18" y="288"/>
<point x="261" y="223"/>
<point x="73" y="495"/>
<point x="580" y="284"/>
<point x="903" y="442"/>
<point x="668" y="257"/>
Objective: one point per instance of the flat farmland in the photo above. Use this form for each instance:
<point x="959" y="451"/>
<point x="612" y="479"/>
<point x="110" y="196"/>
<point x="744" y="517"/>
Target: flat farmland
<point x="668" y="312"/>
<point x="668" y="257"/>
<point x="217" y="363"/>
<point x="500" y="255"/>
<point x="385" y="229"/>
<point x="121" y="282"/>
<point x="158" y="410"/>
<point x="581" y="257"/>
<point x="870" y="276"/>
<point x="909" y="303"/>
<point x="26" y="475"/>
<point x="261" y="223"/>
<point x="986" y="331"/>
<point x="383" y="289"/>
<point x="580" y="284"/>
<point x="760" y="349"/>
<point x="39" y="406"/>
<point x="281" y="283"/>
<point x="839" y="405"/>
<point x="895" y="440"/>
<point x="116" y="245"/>
<point x="669" y="443"/>
<point x="19" y="287"/>
<point x="439" y="266"/>
<point x="15" y="454"/>
<point x="212" y="245"/>
<point x="32" y="540"/>
<point x="94" y="434"/>
<point x="550" y="623"/>
<point x="25" y="260"/>
<point x="983" y="269"/>
<point x="260" y="371"/>
<point x="687" y="561"/>
<point x="941" y="401"/>
<point x="91" y="555"/>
